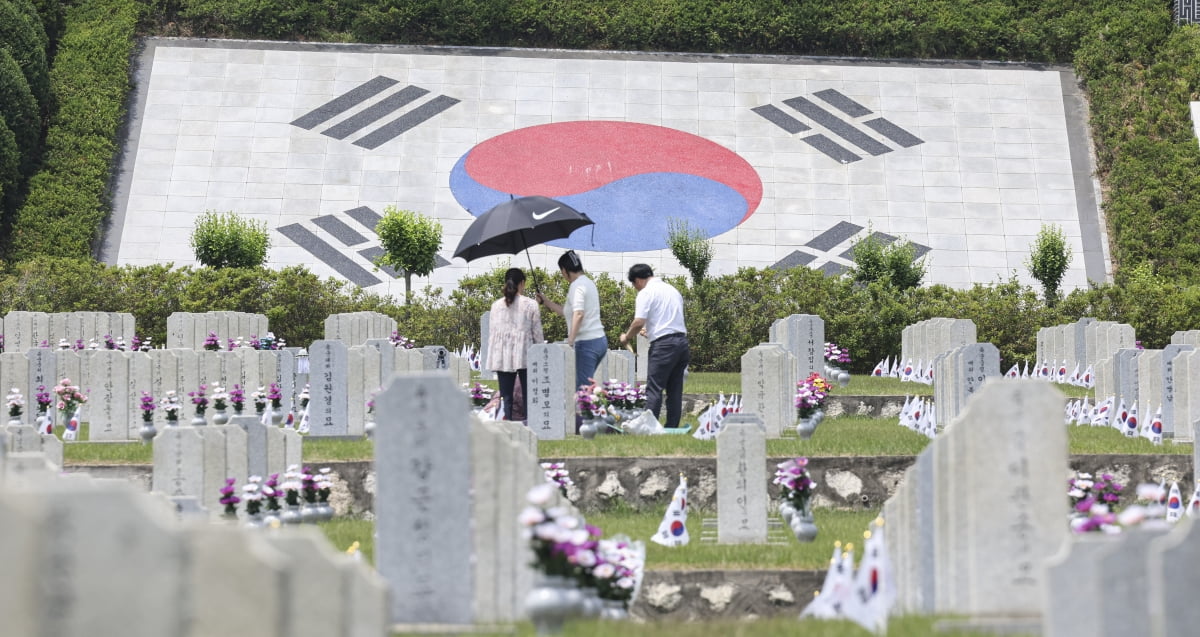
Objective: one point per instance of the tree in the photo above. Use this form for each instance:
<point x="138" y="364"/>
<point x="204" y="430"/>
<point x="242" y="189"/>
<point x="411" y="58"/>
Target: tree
<point x="410" y="243"/>
<point x="225" y="240"/>
<point x="691" y="248"/>
<point x="1049" y="259"/>
<point x="895" y="263"/>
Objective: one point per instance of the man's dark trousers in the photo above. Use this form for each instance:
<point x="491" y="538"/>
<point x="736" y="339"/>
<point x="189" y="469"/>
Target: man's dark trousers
<point x="668" y="358"/>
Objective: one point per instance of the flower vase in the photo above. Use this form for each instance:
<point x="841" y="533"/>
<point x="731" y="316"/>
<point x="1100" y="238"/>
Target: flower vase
<point x="147" y="431"/>
<point x="803" y="526"/>
<point x="198" y="420"/>
<point x="309" y="513"/>
<point x="369" y="429"/>
<point x="254" y="521"/>
<point x="786" y="511"/>
<point x="271" y="519"/>
<point x="276" y="416"/>
<point x="550" y="603"/>
<point x="325" y="511"/>
<point x="805" y="426"/>
<point x="614" y="610"/>
<point x="41" y="421"/>
<point x="14" y="421"/>
<point x="291" y="514"/>
<point x="220" y="417"/>
<point x="588" y="429"/>
<point x="843" y="378"/>
<point x="592" y="605"/>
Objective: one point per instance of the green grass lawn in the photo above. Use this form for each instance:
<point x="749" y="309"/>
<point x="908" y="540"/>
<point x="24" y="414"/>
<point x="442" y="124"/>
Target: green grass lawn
<point x="842" y="436"/>
<point x="835" y="525"/>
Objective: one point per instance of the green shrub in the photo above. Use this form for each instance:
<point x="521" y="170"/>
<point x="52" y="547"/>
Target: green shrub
<point x="67" y="201"/>
<point x="226" y="240"/>
<point x="10" y="169"/>
<point x="19" y="110"/>
<point x="24" y="37"/>
<point x="895" y="263"/>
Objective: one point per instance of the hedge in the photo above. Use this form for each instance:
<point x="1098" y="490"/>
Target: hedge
<point x="67" y="201"/>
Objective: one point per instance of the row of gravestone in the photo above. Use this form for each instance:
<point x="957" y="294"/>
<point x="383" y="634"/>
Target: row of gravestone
<point x="449" y="491"/>
<point x="27" y="330"/>
<point x="86" y="557"/>
<point x="356" y="328"/>
<point x="1166" y="379"/>
<point x="959" y="373"/>
<point x="974" y="518"/>
<point x="1139" y="582"/>
<point x="190" y="330"/>
<point x="924" y="340"/>
<point x="194" y="462"/>
<point x="1084" y="342"/>
<point x="113" y="381"/>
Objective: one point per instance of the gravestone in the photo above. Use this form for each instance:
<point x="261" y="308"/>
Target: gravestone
<point x="141" y="378"/>
<point x="43" y="366"/>
<point x="622" y="365"/>
<point x="178" y="462"/>
<point x="1123" y="570"/>
<point x="328" y="387"/>
<point x="1171" y="570"/>
<point x="1170" y="354"/>
<point x="1185" y="368"/>
<point x="108" y="404"/>
<point x="253" y="597"/>
<point x="1069" y="611"/>
<point x="1150" y="382"/>
<point x="804" y="336"/>
<point x="356" y="328"/>
<point x="164" y="377"/>
<point x="187" y="378"/>
<point x="487" y="441"/>
<point x="742" y="480"/>
<point x="920" y="532"/>
<point x="357" y="370"/>
<point x="485" y="373"/>
<point x="768" y="386"/>
<point x="27" y="439"/>
<point x="423" y="501"/>
<point x="643" y="359"/>
<point x="265" y="446"/>
<point x="434" y="358"/>
<point x="1125" y="375"/>
<point x="318" y="610"/>
<point x="972" y="366"/>
<point x="22" y="517"/>
<point x="550" y="396"/>
<point x="1001" y="475"/>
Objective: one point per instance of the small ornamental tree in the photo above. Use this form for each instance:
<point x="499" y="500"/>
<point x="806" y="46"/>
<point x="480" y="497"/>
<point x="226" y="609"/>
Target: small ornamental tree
<point x="1049" y="258"/>
<point x="691" y="248"/>
<point x="225" y="240"/>
<point x="410" y="243"/>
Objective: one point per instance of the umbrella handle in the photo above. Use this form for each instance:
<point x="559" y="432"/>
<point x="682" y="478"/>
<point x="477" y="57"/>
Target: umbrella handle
<point x="536" y="287"/>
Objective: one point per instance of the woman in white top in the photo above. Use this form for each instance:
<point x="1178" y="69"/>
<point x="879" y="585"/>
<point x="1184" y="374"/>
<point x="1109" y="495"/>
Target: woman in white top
<point x="582" y="312"/>
<point x="514" y="324"/>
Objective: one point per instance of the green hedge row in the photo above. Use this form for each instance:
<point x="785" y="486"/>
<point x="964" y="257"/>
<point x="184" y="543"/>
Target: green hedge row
<point x="725" y="315"/>
<point x="89" y="80"/>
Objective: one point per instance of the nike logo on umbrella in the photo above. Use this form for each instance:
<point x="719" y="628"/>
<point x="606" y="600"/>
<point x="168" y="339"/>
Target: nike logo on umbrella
<point x="539" y="216"/>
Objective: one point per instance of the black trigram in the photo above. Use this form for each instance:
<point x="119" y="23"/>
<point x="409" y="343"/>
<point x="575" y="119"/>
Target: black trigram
<point x="366" y="117"/>
<point x="838" y="126"/>
<point x="824" y="247"/>
<point x="348" y="264"/>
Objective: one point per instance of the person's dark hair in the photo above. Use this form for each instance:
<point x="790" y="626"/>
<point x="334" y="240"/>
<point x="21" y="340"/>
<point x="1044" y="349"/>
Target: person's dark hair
<point x="570" y="262"/>
<point x="513" y="278"/>
<point x="640" y="271"/>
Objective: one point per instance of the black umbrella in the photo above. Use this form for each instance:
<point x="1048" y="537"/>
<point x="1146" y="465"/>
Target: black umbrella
<point x="515" y="225"/>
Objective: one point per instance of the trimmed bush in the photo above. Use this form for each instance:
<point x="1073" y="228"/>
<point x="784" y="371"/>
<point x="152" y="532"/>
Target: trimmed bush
<point x="19" y="110"/>
<point x="225" y="240"/>
<point x="67" y="200"/>
<point x="22" y="34"/>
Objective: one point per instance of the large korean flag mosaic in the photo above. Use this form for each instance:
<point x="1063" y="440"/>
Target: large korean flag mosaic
<point x="781" y="162"/>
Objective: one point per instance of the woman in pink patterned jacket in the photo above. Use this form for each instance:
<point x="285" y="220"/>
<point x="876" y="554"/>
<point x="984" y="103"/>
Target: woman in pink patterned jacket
<point x="514" y="324"/>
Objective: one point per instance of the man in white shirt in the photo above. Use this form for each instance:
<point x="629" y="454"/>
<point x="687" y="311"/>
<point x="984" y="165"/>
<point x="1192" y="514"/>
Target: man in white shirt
<point x="659" y="309"/>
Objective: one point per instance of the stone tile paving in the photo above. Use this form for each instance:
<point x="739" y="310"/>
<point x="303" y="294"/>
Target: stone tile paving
<point x="782" y="161"/>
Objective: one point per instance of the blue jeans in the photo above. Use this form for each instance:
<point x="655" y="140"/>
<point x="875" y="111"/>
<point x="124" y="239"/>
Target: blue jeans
<point x="587" y="356"/>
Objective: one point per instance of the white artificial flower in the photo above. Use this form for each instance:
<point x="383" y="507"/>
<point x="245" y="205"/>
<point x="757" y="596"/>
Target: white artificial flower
<point x="1084" y="484"/>
<point x="531" y="516"/>
<point x="570" y="522"/>
<point x="558" y="512"/>
<point x="579" y="536"/>
<point x="604" y="571"/>
<point x="625" y="582"/>
<point x="254" y="479"/>
<point x="542" y="494"/>
<point x="547" y="531"/>
<point x="586" y="559"/>
<point x="1085" y="476"/>
<point x="1075" y="493"/>
<point x="1150" y="492"/>
<point x="1132" y="515"/>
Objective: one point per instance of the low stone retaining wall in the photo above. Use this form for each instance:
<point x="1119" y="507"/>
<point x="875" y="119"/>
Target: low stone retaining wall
<point x="835" y="405"/>
<point x="700" y="595"/>
<point x="647" y="483"/>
